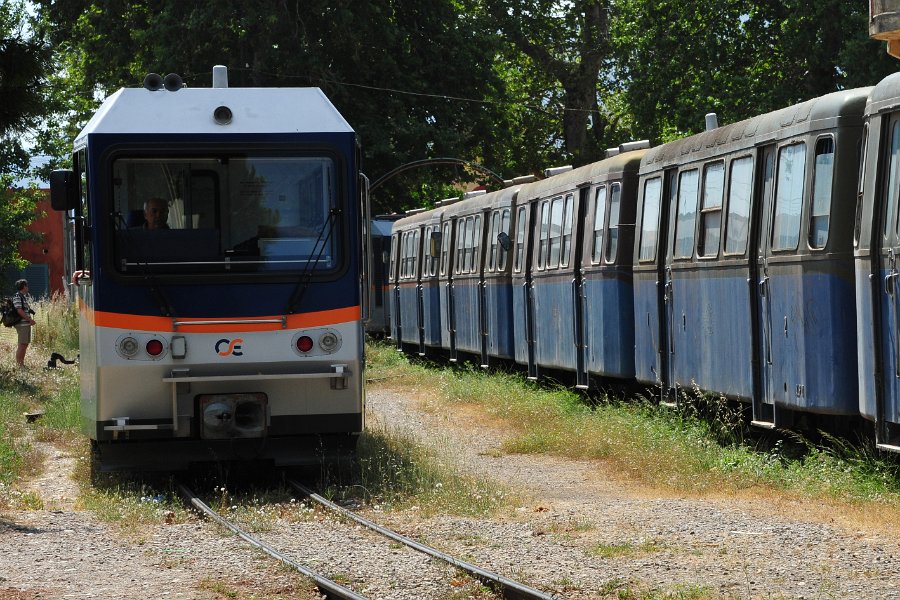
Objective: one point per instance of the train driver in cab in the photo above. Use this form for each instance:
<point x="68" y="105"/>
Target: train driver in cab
<point x="156" y="213"/>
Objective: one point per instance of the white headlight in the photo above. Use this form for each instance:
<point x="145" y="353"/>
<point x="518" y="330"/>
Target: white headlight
<point x="128" y="346"/>
<point x="328" y="342"/>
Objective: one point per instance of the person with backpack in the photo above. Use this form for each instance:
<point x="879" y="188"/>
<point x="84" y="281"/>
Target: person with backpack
<point x="23" y="327"/>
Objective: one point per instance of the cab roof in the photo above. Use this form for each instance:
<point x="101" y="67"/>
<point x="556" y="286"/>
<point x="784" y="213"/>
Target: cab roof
<point x="190" y="111"/>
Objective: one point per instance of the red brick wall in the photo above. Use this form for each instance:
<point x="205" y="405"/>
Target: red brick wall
<point x="49" y="250"/>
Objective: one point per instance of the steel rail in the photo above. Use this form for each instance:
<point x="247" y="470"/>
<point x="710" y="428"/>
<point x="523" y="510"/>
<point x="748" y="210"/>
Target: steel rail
<point x="507" y="587"/>
<point x="329" y="587"/>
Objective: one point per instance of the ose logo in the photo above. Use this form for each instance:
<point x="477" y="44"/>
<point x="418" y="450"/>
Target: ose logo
<point x="232" y="347"/>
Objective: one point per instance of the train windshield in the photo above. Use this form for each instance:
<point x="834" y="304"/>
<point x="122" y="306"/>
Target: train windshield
<point x="225" y="213"/>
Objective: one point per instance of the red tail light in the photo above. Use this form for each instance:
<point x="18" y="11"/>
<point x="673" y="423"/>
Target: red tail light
<point x="154" y="347"/>
<point x="304" y="343"/>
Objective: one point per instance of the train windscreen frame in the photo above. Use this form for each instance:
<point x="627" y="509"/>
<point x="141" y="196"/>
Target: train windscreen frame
<point x="236" y="212"/>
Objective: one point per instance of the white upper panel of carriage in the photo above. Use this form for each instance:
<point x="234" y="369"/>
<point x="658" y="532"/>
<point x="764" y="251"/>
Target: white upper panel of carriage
<point x="192" y="110"/>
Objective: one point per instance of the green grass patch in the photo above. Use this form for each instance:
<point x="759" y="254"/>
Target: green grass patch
<point x="57" y="325"/>
<point x="392" y="471"/>
<point x="627" y="549"/>
<point x="13" y="448"/>
<point x="128" y="502"/>
<point x="701" y="446"/>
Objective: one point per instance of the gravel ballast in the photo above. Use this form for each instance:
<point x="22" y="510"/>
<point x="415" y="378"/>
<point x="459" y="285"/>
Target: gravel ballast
<point x="578" y="531"/>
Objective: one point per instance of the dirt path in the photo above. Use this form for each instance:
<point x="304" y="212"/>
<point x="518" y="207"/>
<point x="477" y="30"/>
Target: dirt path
<point x="608" y="536"/>
<point x="580" y="531"/>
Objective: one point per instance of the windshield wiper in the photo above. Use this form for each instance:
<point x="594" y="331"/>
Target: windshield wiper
<point x="305" y="275"/>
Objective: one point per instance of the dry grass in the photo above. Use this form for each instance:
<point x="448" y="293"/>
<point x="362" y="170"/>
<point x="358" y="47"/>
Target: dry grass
<point x="698" y="451"/>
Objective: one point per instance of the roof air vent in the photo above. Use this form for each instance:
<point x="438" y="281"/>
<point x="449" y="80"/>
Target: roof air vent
<point x="220" y="76"/>
<point x="556" y="170"/>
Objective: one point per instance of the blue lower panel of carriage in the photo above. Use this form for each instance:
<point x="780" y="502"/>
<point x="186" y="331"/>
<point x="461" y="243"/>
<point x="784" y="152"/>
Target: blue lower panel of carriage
<point x="554" y="324"/>
<point x="499" y="319"/>
<point x="466" y="319"/>
<point x="520" y="320"/>
<point x="609" y="326"/>
<point x="431" y="313"/>
<point x="646" y="329"/>
<point x="890" y="354"/>
<point x="445" y="301"/>
<point x="395" y="314"/>
<point x="409" y="314"/>
<point x="710" y="325"/>
<point x="812" y="320"/>
<point x="865" y="339"/>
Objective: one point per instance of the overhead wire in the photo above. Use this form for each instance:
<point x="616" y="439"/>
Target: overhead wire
<point x="311" y="78"/>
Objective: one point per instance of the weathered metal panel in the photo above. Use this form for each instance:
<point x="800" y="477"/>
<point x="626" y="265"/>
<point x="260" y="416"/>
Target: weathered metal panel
<point x="813" y="321"/>
<point x="466" y="318"/>
<point x="499" y="318"/>
<point x="409" y="313"/>
<point x="554" y="325"/>
<point x="711" y="329"/>
<point x="609" y="324"/>
<point x="646" y="328"/>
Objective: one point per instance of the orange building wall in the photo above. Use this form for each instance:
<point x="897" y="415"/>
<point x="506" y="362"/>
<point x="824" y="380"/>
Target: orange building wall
<point x="50" y="250"/>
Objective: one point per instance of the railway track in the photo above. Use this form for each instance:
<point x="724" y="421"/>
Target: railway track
<point x="503" y="586"/>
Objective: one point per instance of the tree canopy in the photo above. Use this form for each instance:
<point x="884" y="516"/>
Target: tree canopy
<point x="515" y="85"/>
<point x="25" y="61"/>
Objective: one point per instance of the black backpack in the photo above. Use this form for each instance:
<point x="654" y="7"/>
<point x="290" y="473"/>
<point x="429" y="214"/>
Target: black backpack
<point x="9" y="312"/>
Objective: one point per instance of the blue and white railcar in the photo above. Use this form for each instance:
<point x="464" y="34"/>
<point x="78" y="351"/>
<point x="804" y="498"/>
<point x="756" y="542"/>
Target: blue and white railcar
<point x="413" y="275"/>
<point x="379" y="323"/>
<point x="743" y="265"/>
<point x="572" y="302"/>
<point x="235" y="330"/>
<point x="877" y="253"/>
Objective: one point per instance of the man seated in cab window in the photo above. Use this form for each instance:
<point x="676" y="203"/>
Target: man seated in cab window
<point x="156" y="213"/>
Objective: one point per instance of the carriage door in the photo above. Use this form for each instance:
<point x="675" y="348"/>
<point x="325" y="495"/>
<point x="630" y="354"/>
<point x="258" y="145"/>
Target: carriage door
<point x="784" y="181"/>
<point x="888" y="297"/>
<point x="457" y="251"/>
<point x="395" y="290"/>
<point x="579" y="299"/>
<point x="423" y="272"/>
<point x="683" y="205"/>
<point x="528" y="291"/>
<point x="764" y="394"/>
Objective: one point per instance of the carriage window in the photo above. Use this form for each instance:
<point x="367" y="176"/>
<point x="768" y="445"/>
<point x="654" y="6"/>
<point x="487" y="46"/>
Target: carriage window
<point x="612" y="230"/>
<point x="711" y="209"/>
<point x="688" y="186"/>
<point x="476" y="245"/>
<point x="492" y="240"/>
<point x="414" y="262"/>
<point x="469" y="245"/>
<point x="890" y="205"/>
<point x="426" y="253"/>
<point x="445" y="248"/>
<point x="650" y="219"/>
<point x="234" y="213"/>
<point x="520" y="239"/>
<point x="460" y="246"/>
<point x="863" y="152"/>
<point x="435" y="261"/>
<point x="740" y="188"/>
<point x="544" y="233"/>
<point x="392" y="275"/>
<point x="504" y="227"/>
<point x="820" y="217"/>
<point x="556" y="214"/>
<point x="404" y="249"/>
<point x="599" y="218"/>
<point x="566" y="247"/>
<point x="789" y="197"/>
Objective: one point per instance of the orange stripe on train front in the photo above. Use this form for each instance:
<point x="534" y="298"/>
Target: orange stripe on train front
<point x="163" y="324"/>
